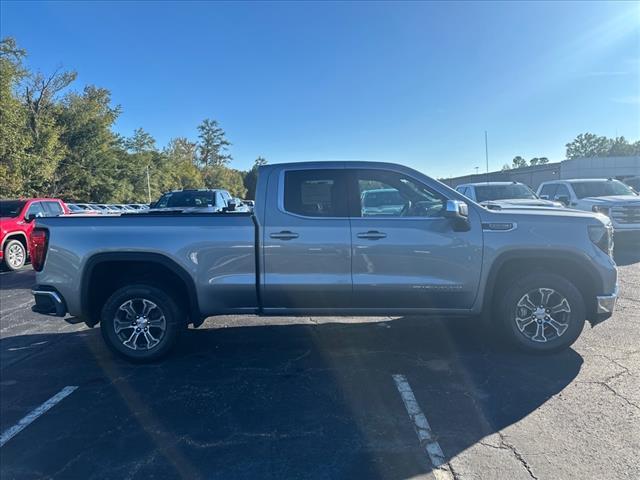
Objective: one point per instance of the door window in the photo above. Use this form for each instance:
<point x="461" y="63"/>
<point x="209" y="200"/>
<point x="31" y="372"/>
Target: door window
<point x="316" y="193"/>
<point x="52" y="209"/>
<point x="549" y="190"/>
<point x="390" y="194"/>
<point x="562" y="191"/>
<point x="35" y="210"/>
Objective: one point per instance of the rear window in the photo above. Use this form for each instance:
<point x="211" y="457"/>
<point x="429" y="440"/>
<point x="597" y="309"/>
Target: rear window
<point x="187" y="199"/>
<point x="600" y="189"/>
<point x="11" y="208"/>
<point x="316" y="193"/>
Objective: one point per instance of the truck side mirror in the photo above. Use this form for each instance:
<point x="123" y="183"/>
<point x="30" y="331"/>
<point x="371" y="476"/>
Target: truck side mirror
<point x="458" y="212"/>
<point x="32" y="216"/>
<point x="231" y="206"/>
<point x="563" y="199"/>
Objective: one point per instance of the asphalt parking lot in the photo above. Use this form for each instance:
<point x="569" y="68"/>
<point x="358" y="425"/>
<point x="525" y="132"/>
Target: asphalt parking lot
<point x="247" y="397"/>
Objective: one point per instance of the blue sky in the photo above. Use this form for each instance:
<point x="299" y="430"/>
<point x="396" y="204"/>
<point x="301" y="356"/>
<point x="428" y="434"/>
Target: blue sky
<point x="414" y="83"/>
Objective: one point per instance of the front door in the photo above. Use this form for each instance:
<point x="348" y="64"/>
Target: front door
<point x="406" y="255"/>
<point x="307" y="241"/>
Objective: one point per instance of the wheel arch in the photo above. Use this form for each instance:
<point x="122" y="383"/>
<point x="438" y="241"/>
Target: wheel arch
<point x="16" y="235"/>
<point x="566" y="264"/>
<point x="162" y="270"/>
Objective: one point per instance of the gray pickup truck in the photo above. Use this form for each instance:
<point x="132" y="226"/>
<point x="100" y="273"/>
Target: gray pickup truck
<point x="312" y="248"/>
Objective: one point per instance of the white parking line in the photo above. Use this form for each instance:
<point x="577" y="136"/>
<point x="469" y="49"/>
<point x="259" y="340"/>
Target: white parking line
<point x="423" y="429"/>
<point x="33" y="415"/>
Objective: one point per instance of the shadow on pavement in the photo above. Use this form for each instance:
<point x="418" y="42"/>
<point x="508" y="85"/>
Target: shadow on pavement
<point x="275" y="401"/>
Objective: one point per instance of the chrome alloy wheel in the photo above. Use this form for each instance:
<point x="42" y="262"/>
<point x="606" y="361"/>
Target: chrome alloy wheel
<point x="542" y="315"/>
<point x="15" y="255"/>
<point x="139" y="324"/>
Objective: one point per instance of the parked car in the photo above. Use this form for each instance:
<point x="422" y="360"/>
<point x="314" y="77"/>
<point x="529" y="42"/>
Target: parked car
<point x="309" y="249"/>
<point x="89" y="208"/>
<point x="195" y="200"/>
<point x="79" y="209"/>
<point x="633" y="182"/>
<point x="138" y="207"/>
<point x="16" y="225"/>
<point x="382" y="201"/>
<point x="106" y="209"/>
<point x="496" y="195"/>
<point x="606" y="196"/>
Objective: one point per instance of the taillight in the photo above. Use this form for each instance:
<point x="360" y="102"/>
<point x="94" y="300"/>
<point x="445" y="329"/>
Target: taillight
<point x="39" y="243"/>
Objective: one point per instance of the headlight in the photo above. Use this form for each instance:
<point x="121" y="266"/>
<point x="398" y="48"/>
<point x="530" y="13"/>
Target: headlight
<point x="601" y="209"/>
<point x="602" y="236"/>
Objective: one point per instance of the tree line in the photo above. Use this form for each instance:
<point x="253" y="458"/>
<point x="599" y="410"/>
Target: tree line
<point x="585" y="145"/>
<point x="55" y="141"/>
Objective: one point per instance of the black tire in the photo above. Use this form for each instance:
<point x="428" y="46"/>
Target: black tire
<point x="15" y="255"/>
<point x="174" y="322"/>
<point x="572" y="322"/>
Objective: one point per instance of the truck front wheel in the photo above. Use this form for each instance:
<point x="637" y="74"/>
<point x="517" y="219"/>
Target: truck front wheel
<point x="541" y="313"/>
<point x="141" y="322"/>
<point x="15" y="254"/>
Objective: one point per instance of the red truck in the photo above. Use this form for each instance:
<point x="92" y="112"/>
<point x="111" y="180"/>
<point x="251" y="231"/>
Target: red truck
<point x="16" y="224"/>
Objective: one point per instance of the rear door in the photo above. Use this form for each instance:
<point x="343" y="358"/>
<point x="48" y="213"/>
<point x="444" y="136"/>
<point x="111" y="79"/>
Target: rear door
<point x="406" y="255"/>
<point x="307" y="240"/>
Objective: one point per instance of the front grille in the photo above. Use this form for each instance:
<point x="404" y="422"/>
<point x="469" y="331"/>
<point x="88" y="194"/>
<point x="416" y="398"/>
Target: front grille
<point x="622" y="214"/>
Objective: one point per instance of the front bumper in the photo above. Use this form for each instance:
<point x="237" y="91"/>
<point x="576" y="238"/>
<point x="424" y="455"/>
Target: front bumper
<point x="48" y="301"/>
<point x="605" y="305"/>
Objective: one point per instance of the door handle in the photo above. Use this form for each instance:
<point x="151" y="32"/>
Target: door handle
<point x="284" y="235"/>
<point x="372" y="235"/>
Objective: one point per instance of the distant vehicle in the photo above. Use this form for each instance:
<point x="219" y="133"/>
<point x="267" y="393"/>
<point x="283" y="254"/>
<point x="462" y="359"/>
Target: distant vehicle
<point x="77" y="209"/>
<point x="241" y="206"/>
<point x="607" y="196"/>
<point x="195" y="200"/>
<point x="633" y="182"/>
<point x="309" y="249"/>
<point x="16" y="225"/>
<point x="89" y="208"/>
<point x="106" y="209"/>
<point x="138" y="207"/>
<point x="382" y="201"/>
<point x="496" y="195"/>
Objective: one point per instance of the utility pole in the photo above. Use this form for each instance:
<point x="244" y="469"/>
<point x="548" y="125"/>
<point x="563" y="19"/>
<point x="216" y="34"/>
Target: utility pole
<point x="486" y="153"/>
<point x="148" y="184"/>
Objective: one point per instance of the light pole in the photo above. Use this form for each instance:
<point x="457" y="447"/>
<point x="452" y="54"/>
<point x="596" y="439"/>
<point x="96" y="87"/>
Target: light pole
<point x="148" y="184"/>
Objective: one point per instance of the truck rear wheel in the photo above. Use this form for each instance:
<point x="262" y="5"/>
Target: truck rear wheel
<point x="141" y="322"/>
<point x="541" y="313"/>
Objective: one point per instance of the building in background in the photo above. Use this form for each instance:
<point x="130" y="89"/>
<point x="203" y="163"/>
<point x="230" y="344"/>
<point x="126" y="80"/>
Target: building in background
<point x="596" y="167"/>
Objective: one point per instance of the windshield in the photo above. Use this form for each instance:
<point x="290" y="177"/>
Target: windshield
<point x="604" y="188"/>
<point x="378" y="198"/>
<point x="502" y="192"/>
<point x="187" y="199"/>
<point x="11" y="208"/>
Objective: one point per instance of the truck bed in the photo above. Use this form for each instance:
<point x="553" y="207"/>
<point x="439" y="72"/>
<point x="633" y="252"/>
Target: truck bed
<point x="217" y="250"/>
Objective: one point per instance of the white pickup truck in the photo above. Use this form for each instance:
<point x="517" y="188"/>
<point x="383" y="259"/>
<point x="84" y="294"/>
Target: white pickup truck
<point x="607" y="196"/>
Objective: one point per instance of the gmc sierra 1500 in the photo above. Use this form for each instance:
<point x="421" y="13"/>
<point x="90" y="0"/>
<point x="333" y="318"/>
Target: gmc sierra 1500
<point x="313" y="248"/>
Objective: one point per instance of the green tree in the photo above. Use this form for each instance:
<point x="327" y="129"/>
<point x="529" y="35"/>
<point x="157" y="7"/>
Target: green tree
<point x="519" y="162"/>
<point x="41" y="96"/>
<point x="588" y="145"/>
<point x="213" y="145"/>
<point x="251" y="178"/>
<point x="179" y="168"/>
<point x="140" y="142"/>
<point x="94" y="168"/>
<point x="224" y="177"/>
<point x="538" y="161"/>
<point x="14" y="139"/>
